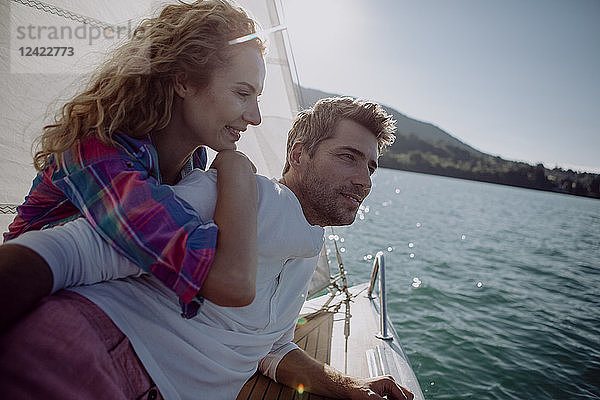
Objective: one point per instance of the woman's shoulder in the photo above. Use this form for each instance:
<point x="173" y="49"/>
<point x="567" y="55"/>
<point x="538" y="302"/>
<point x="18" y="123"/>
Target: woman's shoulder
<point x="91" y="150"/>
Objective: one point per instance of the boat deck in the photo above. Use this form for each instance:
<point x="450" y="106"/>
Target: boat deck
<point x="321" y="334"/>
<point x="313" y="335"/>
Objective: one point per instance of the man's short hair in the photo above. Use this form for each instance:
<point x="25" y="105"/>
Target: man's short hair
<point x="316" y="124"/>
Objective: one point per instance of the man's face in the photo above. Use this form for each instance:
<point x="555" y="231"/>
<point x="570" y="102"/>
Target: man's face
<point x="337" y="178"/>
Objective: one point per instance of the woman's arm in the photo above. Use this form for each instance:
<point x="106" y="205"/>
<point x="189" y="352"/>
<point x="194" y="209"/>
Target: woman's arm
<point x="166" y="238"/>
<point x="231" y="280"/>
<point x="118" y="190"/>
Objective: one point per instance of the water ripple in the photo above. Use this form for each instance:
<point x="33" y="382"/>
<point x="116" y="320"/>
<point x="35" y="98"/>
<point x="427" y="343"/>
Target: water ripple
<point x="507" y="303"/>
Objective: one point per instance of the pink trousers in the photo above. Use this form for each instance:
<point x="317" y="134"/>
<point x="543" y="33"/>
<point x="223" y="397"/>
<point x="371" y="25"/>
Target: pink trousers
<point x="68" y="348"/>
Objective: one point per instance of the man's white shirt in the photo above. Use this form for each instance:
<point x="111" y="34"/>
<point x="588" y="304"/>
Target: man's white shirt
<point x="213" y="354"/>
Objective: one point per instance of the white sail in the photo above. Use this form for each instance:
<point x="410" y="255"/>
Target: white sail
<point x="33" y="87"/>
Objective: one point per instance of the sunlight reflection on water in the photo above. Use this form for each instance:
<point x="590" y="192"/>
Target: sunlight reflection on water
<point x="511" y="305"/>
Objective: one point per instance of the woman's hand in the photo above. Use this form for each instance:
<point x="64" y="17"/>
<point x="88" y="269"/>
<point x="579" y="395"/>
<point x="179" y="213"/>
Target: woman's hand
<point x="232" y="159"/>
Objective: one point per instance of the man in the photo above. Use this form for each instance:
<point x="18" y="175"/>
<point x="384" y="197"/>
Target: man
<point x="332" y="152"/>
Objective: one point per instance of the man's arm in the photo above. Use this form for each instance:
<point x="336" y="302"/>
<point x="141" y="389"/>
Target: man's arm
<point x="298" y="368"/>
<point x="18" y="264"/>
<point x="39" y="263"/>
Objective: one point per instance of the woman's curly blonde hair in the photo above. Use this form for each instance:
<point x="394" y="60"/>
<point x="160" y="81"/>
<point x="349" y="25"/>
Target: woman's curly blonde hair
<point x="133" y="91"/>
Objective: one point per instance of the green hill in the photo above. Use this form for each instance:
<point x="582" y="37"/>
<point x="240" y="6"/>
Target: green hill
<point x="423" y="147"/>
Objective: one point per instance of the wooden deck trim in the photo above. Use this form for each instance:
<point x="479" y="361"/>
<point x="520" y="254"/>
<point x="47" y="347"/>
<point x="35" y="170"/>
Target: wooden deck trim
<point x="362" y="340"/>
<point x="313" y="335"/>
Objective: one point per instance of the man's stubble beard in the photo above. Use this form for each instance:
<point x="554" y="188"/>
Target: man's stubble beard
<point x="322" y="202"/>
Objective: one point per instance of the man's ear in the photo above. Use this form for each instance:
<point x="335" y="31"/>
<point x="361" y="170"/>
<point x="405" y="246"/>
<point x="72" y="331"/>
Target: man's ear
<point x="297" y="155"/>
<point x="181" y="85"/>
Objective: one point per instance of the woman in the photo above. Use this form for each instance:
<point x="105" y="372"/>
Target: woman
<point x="175" y="86"/>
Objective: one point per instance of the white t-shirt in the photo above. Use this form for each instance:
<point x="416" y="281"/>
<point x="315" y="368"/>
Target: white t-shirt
<point x="213" y="354"/>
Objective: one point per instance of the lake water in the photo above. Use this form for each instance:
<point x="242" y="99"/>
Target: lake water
<point x="494" y="290"/>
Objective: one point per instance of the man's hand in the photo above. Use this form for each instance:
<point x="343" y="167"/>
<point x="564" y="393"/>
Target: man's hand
<point x="376" y="388"/>
<point x="297" y="367"/>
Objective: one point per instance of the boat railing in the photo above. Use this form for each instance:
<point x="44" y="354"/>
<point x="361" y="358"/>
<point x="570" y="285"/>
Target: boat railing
<point x="379" y="270"/>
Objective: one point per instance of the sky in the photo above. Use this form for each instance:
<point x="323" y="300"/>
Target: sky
<point x="514" y="78"/>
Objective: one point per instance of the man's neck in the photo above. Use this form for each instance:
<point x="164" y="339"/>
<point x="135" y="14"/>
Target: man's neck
<point x="290" y="183"/>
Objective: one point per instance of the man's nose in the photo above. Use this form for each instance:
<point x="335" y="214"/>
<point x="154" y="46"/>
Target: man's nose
<point x="362" y="178"/>
<point x="252" y="114"/>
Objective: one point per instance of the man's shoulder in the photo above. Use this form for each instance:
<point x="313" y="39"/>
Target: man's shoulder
<point x="266" y="186"/>
<point x="197" y="176"/>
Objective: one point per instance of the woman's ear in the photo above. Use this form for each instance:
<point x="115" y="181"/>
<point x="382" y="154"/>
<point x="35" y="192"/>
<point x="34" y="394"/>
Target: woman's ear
<point x="181" y="85"/>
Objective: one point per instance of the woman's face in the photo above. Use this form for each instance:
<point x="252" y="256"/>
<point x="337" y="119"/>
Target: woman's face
<point x="216" y="115"/>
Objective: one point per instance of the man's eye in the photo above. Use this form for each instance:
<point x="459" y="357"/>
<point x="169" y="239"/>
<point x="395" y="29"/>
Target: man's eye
<point x="348" y="156"/>
<point x="243" y="94"/>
